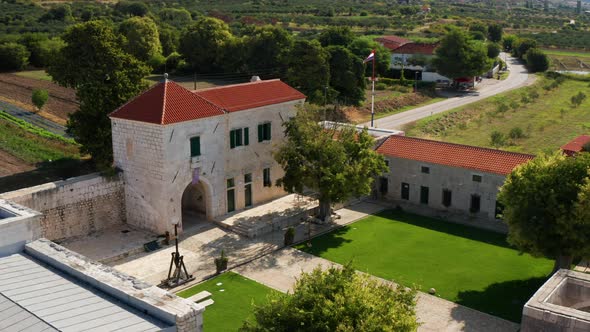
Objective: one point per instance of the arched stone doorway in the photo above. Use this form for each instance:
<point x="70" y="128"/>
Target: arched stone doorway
<point x="194" y="205"/>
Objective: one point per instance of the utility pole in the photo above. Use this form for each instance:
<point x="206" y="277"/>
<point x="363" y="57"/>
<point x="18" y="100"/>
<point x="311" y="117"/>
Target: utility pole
<point x="373" y="92"/>
<point x="195" y="81"/>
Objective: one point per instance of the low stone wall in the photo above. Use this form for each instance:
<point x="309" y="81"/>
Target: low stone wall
<point x="18" y="225"/>
<point x="74" y="207"/>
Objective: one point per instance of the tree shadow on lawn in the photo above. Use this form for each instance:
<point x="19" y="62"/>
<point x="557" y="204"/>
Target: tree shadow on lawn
<point x="443" y="226"/>
<point x="503" y="299"/>
<point x="323" y="243"/>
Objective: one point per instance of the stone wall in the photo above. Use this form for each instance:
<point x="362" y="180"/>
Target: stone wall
<point x="74" y="207"/>
<point x="18" y="225"/>
<point x="440" y="177"/>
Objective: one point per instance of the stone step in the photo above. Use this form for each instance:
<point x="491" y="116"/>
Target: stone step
<point x="199" y="296"/>
<point x="207" y="303"/>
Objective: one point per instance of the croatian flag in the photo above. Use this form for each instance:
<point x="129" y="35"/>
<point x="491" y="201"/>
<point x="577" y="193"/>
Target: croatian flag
<point x="371" y="57"/>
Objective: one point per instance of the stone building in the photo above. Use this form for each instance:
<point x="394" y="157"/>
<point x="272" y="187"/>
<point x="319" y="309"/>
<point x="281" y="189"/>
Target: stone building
<point x="194" y="155"/>
<point x="447" y="180"/>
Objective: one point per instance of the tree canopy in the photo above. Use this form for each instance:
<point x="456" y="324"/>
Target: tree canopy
<point x="267" y="48"/>
<point x="142" y="37"/>
<point x="104" y="76"/>
<point x="546" y="204"/>
<point x="363" y="46"/>
<point x="459" y="56"/>
<point x="204" y="43"/>
<point x="536" y="60"/>
<point x="342" y="36"/>
<point x="495" y="32"/>
<point x="309" y="69"/>
<point x="13" y="56"/>
<point x="346" y="75"/>
<point x="337" y="163"/>
<point x="338" y="299"/>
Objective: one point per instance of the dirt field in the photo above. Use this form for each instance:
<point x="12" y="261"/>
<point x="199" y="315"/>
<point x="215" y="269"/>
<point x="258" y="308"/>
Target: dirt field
<point x="62" y="101"/>
<point x="11" y="165"/>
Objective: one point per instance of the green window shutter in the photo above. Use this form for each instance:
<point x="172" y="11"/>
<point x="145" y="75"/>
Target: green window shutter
<point x="195" y="146"/>
<point x="260" y="133"/>
<point x="268" y="131"/>
<point x="246" y="136"/>
<point x="238" y="136"/>
<point x="232" y="139"/>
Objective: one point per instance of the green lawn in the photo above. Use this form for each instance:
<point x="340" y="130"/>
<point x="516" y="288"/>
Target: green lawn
<point x="466" y="265"/>
<point x="233" y="300"/>
<point x="548" y="121"/>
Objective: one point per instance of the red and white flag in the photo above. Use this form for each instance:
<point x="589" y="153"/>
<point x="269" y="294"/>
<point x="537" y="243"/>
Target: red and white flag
<point x="371" y="57"/>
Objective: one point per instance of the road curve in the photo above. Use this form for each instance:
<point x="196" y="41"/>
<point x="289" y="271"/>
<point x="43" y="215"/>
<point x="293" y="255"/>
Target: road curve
<point x="517" y="77"/>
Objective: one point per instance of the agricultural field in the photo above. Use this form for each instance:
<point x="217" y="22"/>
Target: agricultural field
<point x="568" y="60"/>
<point x="538" y="118"/>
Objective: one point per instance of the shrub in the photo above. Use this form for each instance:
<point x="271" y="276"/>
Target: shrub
<point x="39" y="97"/>
<point x="380" y="86"/>
<point x="13" y="56"/>
<point x="157" y="63"/>
<point x="586" y="147"/>
<point x="536" y="60"/>
<point x="516" y="133"/>
<point x="502" y="108"/>
<point x="172" y="61"/>
<point x="578" y="99"/>
<point x="289" y="236"/>
<point x="497" y="139"/>
<point x="533" y="94"/>
<point x="221" y="262"/>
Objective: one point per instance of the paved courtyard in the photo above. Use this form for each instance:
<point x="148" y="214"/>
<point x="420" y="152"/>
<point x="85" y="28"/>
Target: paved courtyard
<point x="261" y="260"/>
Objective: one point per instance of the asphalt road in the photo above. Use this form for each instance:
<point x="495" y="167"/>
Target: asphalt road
<point x="518" y="77"/>
<point x="33" y="118"/>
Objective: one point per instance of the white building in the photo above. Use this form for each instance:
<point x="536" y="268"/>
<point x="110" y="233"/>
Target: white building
<point x="446" y="180"/>
<point x="191" y="155"/>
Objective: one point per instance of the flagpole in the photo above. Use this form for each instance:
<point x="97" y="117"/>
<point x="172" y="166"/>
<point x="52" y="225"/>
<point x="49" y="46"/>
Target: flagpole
<point x="373" y="91"/>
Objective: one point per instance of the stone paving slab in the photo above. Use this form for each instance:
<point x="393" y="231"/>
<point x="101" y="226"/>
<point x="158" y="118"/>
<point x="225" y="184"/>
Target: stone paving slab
<point x="280" y="269"/>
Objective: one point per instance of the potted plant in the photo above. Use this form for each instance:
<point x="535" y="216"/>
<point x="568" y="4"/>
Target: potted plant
<point x="289" y="236"/>
<point x="221" y="262"/>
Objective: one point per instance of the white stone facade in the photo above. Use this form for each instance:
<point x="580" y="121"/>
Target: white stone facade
<point x="157" y="164"/>
<point x="459" y="181"/>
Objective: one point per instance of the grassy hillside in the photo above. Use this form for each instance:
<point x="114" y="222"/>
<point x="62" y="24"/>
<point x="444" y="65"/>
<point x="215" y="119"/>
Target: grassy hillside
<point x="531" y="119"/>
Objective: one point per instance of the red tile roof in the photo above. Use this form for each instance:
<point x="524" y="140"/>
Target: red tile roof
<point x="576" y="144"/>
<point x="392" y="42"/>
<point x="416" y="48"/>
<point x="455" y="155"/>
<point x="166" y="103"/>
<point x="250" y="95"/>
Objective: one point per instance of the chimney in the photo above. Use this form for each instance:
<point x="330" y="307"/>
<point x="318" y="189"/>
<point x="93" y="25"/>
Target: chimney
<point x="255" y="79"/>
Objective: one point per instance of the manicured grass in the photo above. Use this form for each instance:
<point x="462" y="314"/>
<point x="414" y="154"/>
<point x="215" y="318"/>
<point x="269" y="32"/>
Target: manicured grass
<point x="233" y="305"/>
<point x="36" y="74"/>
<point x="548" y="122"/>
<point x="580" y="54"/>
<point x="466" y="265"/>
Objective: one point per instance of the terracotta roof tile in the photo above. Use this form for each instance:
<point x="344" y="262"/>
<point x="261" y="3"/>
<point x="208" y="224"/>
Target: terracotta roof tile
<point x="456" y="155"/>
<point x="250" y="95"/>
<point x="392" y="42"/>
<point x="166" y="103"/>
<point x="576" y="144"/>
<point x="416" y="48"/>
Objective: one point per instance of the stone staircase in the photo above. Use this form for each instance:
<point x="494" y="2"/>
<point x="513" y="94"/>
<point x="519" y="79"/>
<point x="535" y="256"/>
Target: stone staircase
<point x="203" y="298"/>
<point x="265" y="218"/>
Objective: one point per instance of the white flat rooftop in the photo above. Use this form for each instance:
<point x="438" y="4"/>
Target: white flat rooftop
<point x="46" y="300"/>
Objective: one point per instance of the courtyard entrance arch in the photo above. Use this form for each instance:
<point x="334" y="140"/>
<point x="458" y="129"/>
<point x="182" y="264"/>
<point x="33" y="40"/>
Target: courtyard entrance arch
<point x="196" y="202"/>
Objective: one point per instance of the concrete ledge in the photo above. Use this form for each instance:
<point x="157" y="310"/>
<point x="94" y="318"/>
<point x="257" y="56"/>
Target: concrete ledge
<point x="142" y="296"/>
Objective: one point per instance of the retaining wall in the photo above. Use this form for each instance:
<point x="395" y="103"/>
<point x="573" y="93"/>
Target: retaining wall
<point x="74" y="207"/>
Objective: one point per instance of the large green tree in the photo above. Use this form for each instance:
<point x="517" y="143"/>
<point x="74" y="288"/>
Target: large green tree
<point x="346" y="75"/>
<point x="94" y="63"/>
<point x="309" y="69"/>
<point x="142" y="37"/>
<point x="338" y="299"/>
<point x="13" y="56"/>
<point x="267" y="48"/>
<point x="546" y="204"/>
<point x="204" y="42"/>
<point x="495" y="32"/>
<point x="342" y="36"/>
<point x="459" y="56"/>
<point x="337" y="163"/>
<point x="536" y="60"/>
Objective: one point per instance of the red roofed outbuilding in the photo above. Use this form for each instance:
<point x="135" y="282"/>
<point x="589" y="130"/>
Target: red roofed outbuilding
<point x="455" y="181"/>
<point x="576" y="145"/>
<point x="392" y="42"/>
